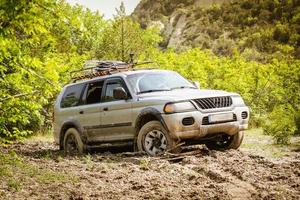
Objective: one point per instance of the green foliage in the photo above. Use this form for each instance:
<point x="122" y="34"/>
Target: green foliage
<point x="281" y="124"/>
<point x="40" y="41"/>
<point x="281" y="33"/>
<point x="123" y="36"/>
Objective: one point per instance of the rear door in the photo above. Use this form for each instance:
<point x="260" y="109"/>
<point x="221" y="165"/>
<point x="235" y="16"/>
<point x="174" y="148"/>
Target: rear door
<point x="67" y="108"/>
<point x="116" y="115"/>
<point x="89" y="112"/>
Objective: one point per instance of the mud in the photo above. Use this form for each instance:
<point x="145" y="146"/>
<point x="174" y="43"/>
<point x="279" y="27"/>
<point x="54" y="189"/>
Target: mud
<point x="196" y="174"/>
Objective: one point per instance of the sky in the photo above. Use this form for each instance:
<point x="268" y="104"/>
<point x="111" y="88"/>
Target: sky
<point x="106" y="7"/>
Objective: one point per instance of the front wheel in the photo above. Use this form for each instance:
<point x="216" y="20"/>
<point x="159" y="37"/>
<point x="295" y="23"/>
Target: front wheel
<point x="225" y="142"/>
<point x="154" y="139"/>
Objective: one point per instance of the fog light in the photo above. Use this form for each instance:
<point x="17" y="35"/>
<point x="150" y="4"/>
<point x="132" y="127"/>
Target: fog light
<point x="188" y="121"/>
<point x="244" y="115"/>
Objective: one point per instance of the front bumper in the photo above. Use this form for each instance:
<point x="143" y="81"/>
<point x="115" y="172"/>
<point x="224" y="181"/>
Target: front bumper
<point x="179" y="131"/>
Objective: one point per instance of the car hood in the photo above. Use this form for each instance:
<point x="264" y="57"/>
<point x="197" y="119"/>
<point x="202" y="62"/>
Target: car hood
<point x="184" y="94"/>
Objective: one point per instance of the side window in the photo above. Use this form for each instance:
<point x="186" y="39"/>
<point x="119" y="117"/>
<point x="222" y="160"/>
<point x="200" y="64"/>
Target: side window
<point x="94" y="91"/>
<point x="71" y="96"/>
<point x="110" y="86"/>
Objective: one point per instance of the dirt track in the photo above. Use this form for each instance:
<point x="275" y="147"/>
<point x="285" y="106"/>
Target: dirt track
<point x="204" y="175"/>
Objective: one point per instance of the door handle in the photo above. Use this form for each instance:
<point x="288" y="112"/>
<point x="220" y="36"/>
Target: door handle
<point x="105" y="109"/>
<point x="81" y="112"/>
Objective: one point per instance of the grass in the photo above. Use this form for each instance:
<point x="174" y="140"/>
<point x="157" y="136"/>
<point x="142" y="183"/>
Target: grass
<point x="16" y="173"/>
<point x="255" y="140"/>
<point x="89" y="162"/>
<point x="145" y="164"/>
<point x="45" y="136"/>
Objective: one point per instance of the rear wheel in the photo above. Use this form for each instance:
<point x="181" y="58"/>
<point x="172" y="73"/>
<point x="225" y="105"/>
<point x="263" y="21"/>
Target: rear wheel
<point x="225" y="142"/>
<point x="72" y="142"/>
<point x="154" y="139"/>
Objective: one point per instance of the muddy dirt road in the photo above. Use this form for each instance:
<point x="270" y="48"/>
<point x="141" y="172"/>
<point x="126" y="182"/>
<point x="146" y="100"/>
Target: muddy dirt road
<point x="201" y="174"/>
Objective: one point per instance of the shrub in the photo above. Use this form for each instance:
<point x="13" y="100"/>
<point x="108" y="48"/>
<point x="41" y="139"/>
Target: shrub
<point x="281" y="33"/>
<point x="281" y="124"/>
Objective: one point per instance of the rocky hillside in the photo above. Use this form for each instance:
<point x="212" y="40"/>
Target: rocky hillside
<point x="257" y="28"/>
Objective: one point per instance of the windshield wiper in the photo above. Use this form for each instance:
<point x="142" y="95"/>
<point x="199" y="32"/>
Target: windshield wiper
<point x="148" y="91"/>
<point x="182" y="87"/>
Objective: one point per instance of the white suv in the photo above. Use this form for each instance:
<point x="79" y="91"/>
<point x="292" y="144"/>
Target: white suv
<point x="154" y="110"/>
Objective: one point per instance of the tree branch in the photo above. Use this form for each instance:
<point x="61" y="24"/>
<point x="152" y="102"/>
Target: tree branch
<point x="18" y="95"/>
<point x="36" y="74"/>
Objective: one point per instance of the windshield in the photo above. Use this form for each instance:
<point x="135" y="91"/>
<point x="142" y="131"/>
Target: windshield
<point x="157" y="81"/>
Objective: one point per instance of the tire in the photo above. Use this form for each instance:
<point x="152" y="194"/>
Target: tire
<point x="154" y="139"/>
<point x="73" y="143"/>
<point x="227" y="142"/>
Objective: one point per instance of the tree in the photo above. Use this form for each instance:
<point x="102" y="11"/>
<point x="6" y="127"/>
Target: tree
<point x="123" y="36"/>
<point x="40" y="41"/>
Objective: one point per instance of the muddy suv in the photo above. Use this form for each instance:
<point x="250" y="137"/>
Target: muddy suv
<point x="152" y="110"/>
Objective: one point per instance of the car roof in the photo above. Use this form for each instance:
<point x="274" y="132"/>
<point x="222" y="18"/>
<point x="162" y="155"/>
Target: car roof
<point x="138" y="71"/>
<point x="122" y="74"/>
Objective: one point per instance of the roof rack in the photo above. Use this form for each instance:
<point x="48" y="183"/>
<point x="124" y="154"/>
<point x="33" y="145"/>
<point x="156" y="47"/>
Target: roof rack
<point x="97" y="68"/>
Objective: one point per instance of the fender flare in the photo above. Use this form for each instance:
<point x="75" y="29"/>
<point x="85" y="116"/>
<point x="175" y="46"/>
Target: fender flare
<point x="71" y="124"/>
<point x="149" y="111"/>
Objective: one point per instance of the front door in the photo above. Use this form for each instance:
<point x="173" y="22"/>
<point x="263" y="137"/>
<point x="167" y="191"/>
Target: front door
<point x="116" y="115"/>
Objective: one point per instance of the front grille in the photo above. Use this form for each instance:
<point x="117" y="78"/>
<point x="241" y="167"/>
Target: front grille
<point x="214" y="102"/>
<point x="205" y="120"/>
<point x="188" y="121"/>
<point x="244" y="115"/>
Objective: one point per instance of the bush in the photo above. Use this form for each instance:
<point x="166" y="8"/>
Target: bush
<point x="281" y="124"/>
<point x="281" y="33"/>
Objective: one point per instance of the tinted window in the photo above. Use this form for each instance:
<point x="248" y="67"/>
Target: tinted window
<point x="110" y="86"/>
<point x="94" y="92"/>
<point x="71" y="96"/>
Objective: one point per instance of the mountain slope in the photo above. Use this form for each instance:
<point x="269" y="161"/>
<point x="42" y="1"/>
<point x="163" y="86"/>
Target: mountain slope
<point x="259" y="29"/>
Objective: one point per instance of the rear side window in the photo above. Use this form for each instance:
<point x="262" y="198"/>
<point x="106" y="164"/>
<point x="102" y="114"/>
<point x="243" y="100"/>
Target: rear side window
<point x="71" y="96"/>
<point x="94" y="92"/>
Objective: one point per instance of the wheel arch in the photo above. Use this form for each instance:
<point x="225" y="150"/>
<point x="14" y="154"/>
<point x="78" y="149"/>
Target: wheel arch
<point x="146" y="115"/>
<point x="67" y="125"/>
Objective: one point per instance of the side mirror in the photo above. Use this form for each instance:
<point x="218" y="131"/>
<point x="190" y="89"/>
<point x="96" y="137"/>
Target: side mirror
<point x="120" y="93"/>
<point x="196" y="84"/>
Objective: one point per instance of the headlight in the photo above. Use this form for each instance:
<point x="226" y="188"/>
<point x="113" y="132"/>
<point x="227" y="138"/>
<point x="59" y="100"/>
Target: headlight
<point x="237" y="101"/>
<point x="179" y="107"/>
